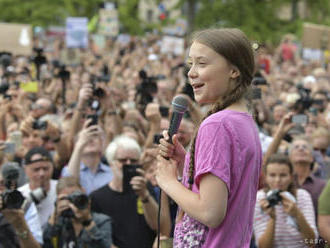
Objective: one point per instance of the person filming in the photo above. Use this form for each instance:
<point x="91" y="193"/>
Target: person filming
<point x="284" y="216"/>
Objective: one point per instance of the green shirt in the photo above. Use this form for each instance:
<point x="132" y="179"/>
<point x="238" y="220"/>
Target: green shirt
<point x="324" y="200"/>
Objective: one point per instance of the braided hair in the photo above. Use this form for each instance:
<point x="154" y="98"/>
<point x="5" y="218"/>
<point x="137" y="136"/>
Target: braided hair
<point x="235" y="47"/>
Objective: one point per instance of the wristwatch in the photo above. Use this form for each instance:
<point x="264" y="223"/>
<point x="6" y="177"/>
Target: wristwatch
<point x="22" y="234"/>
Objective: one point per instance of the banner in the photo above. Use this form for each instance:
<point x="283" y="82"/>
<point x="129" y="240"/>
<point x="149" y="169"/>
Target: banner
<point x="108" y="24"/>
<point x="76" y="32"/>
<point x="16" y="38"/>
<point x="172" y="45"/>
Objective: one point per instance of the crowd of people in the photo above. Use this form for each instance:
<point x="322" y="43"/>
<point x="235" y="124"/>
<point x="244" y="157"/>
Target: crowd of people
<point x="78" y="153"/>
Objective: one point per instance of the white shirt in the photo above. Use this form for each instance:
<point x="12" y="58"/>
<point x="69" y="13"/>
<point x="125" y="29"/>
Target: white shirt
<point x="46" y="206"/>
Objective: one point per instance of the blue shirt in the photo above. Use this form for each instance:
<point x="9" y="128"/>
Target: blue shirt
<point x="92" y="181"/>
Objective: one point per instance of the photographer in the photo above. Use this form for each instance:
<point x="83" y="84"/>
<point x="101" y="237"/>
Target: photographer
<point x="128" y="199"/>
<point x="39" y="169"/>
<point x="284" y="215"/>
<point x="26" y="225"/>
<point x="72" y="224"/>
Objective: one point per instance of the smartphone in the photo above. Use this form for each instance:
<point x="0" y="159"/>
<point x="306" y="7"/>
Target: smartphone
<point x="157" y="138"/>
<point x="164" y="111"/>
<point x="10" y="148"/>
<point x="94" y="118"/>
<point x="129" y="171"/>
<point x="256" y="93"/>
<point x="300" y="119"/>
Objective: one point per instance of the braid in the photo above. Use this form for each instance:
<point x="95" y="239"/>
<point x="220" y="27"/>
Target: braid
<point x="235" y="94"/>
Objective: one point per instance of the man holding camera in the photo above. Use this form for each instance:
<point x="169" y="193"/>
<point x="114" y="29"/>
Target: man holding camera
<point x="127" y="198"/>
<point x="72" y="224"/>
<point x="25" y="226"/>
<point x="39" y="170"/>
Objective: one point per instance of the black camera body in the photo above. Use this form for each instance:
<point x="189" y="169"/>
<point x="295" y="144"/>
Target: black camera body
<point x="12" y="199"/>
<point x="39" y="125"/>
<point x="274" y="197"/>
<point x="79" y="199"/>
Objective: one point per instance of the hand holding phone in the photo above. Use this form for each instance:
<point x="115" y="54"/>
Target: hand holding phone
<point x="300" y="119"/>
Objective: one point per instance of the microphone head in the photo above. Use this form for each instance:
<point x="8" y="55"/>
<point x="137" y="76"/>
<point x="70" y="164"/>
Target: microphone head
<point x="10" y="172"/>
<point x="180" y="104"/>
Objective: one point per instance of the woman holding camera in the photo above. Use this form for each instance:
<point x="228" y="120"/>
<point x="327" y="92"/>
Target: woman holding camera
<point x="284" y="215"/>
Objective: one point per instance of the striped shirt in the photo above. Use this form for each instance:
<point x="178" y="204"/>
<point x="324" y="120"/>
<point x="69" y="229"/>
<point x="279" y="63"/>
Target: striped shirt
<point x="286" y="235"/>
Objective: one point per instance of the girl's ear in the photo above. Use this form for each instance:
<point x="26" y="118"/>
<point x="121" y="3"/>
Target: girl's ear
<point x="235" y="73"/>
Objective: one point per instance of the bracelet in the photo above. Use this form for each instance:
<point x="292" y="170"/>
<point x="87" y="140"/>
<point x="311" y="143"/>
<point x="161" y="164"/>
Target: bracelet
<point x="112" y="113"/>
<point x="22" y="235"/>
<point x="146" y="199"/>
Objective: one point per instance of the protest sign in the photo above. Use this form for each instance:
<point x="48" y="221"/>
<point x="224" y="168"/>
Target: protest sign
<point x="16" y="38"/>
<point x="172" y="45"/>
<point x="108" y="24"/>
<point x="76" y="32"/>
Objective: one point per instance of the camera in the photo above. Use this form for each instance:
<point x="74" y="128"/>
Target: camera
<point x="37" y="195"/>
<point x="97" y="91"/>
<point x="274" y="197"/>
<point x="94" y="118"/>
<point x="11" y="198"/>
<point x="39" y="125"/>
<point x="4" y="86"/>
<point x="79" y="199"/>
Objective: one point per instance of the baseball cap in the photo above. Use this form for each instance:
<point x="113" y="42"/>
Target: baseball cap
<point x="44" y="154"/>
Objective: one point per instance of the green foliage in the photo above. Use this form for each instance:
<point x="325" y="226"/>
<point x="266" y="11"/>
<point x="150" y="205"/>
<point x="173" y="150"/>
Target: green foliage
<point x="128" y="16"/>
<point x="258" y="18"/>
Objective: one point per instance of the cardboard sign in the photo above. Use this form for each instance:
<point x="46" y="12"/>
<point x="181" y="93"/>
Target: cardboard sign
<point x="316" y="36"/>
<point x="108" y="24"/>
<point x="172" y="45"/>
<point x="76" y="32"/>
<point x="31" y="87"/>
<point x="16" y="38"/>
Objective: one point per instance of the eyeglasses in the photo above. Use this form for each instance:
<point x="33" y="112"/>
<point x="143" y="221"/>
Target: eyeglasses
<point x="131" y="160"/>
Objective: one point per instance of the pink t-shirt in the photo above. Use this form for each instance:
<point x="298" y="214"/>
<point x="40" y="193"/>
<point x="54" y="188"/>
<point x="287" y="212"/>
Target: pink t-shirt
<point x="227" y="146"/>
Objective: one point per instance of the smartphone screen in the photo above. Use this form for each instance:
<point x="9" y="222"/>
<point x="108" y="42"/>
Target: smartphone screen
<point x="300" y="119"/>
<point x="129" y="171"/>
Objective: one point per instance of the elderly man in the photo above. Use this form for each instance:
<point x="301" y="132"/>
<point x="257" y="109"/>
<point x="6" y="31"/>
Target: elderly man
<point x="128" y="201"/>
<point x="301" y="157"/>
<point x="39" y="169"/>
<point x="85" y="162"/>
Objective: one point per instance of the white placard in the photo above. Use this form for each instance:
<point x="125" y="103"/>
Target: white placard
<point x="76" y="32"/>
<point x="173" y="45"/>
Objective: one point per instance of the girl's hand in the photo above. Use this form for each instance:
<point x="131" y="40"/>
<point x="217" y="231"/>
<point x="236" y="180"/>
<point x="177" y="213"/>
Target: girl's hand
<point x="166" y="171"/>
<point x="289" y="206"/>
<point x="173" y="151"/>
<point x="268" y="210"/>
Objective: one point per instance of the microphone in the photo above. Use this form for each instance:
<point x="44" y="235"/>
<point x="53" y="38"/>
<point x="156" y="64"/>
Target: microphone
<point x="10" y="173"/>
<point x="180" y="105"/>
